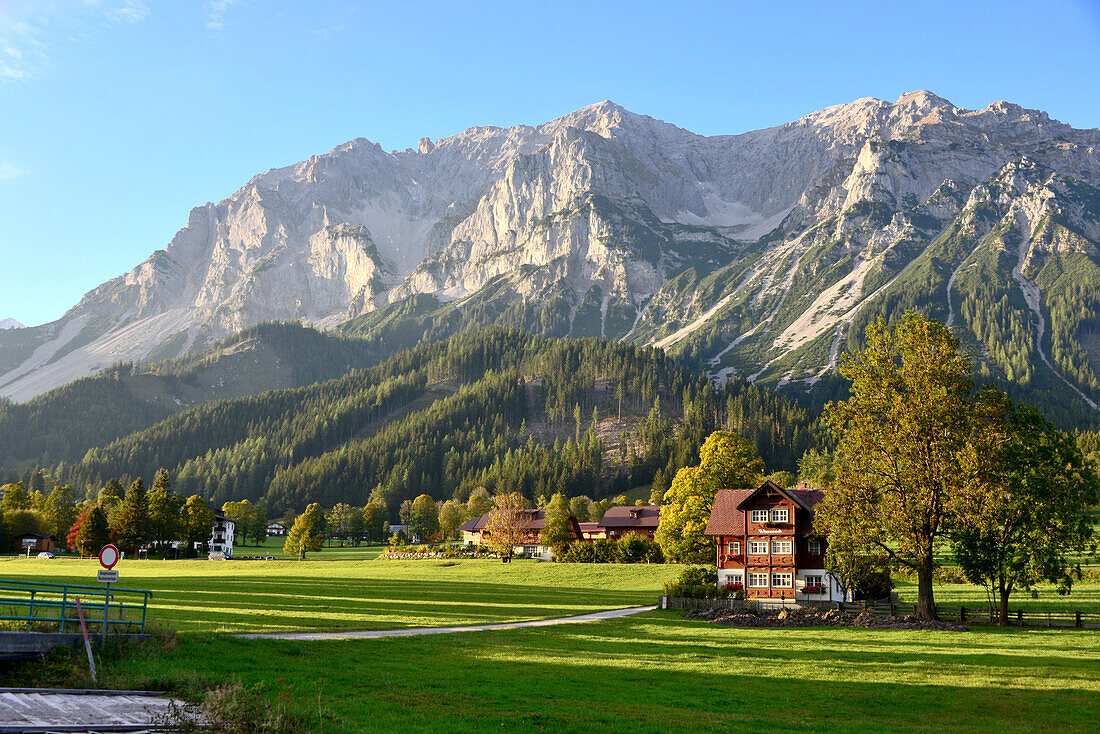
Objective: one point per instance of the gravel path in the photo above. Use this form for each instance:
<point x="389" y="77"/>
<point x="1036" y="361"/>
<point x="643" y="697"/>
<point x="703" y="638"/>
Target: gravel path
<point x="414" y="631"/>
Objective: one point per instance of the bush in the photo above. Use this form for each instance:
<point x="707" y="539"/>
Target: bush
<point x="696" y="582"/>
<point x="578" y="552"/>
<point x="636" y="549"/>
<point x="605" y="551"/>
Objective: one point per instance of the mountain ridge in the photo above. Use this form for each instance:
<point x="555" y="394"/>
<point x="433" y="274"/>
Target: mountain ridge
<point x="761" y="252"/>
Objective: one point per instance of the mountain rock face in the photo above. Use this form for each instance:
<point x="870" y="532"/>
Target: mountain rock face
<point x="764" y="254"/>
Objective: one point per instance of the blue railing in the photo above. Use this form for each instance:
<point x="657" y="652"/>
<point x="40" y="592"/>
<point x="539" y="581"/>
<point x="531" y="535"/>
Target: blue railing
<point x="46" y="605"/>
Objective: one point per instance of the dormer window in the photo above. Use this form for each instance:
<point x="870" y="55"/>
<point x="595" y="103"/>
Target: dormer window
<point x="780" y="514"/>
<point x="758" y="515"/>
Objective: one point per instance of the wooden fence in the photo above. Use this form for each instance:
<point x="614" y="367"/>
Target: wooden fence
<point x="961" y="613"/>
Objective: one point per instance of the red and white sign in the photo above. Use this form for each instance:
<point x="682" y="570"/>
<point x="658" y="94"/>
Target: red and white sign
<point x="108" y="556"/>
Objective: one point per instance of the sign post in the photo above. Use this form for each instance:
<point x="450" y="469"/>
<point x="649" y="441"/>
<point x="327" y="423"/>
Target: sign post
<point x="108" y="557"/>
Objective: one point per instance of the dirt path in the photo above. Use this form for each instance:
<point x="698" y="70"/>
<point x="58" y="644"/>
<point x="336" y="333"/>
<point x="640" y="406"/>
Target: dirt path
<point x="414" y="631"/>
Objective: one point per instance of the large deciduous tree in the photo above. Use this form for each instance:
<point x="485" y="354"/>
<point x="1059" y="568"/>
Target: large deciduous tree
<point x="1027" y="509"/>
<point x="305" y="534"/>
<point x="197" y="524"/>
<point x="509" y="524"/>
<point x="59" y="510"/>
<point x="555" y="532"/>
<point x="727" y="461"/>
<point x="424" y="517"/>
<point x="904" y="435"/>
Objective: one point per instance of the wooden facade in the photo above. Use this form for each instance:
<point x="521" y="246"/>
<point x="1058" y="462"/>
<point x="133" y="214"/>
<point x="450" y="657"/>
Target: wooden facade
<point x="764" y="540"/>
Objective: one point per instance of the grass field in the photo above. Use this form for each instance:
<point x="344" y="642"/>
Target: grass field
<point x="326" y="593"/>
<point x="653" y="672"/>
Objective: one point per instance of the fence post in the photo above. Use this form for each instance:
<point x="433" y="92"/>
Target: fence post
<point x="893" y="610"/>
<point x="1077" y="618"/>
<point x="31" y="615"/>
<point x="962" y="613"/>
<point x="64" y="599"/>
<point x="1019" y="617"/>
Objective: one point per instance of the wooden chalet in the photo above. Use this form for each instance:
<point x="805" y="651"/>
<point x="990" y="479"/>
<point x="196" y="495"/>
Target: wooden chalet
<point x="476" y="532"/>
<point x="765" y="541"/>
<point x="631" y="520"/>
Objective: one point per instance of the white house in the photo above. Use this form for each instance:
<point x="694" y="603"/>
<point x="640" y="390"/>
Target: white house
<point x="276" y="529"/>
<point x="221" y="538"/>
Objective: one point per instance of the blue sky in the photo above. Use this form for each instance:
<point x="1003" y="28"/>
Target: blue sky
<point x="118" y="116"/>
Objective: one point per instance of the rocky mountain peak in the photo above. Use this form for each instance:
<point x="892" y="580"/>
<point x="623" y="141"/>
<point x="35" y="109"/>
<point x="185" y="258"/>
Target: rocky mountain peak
<point x="11" y="324"/>
<point x="761" y="251"/>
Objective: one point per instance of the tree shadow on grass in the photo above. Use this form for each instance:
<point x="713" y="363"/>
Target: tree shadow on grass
<point x="617" y="676"/>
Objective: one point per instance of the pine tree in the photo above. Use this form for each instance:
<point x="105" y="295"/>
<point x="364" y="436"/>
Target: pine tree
<point x="131" y="526"/>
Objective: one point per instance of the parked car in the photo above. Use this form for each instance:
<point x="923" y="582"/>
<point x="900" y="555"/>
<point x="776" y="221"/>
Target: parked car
<point x="271" y="558"/>
<point x="219" y="556"/>
<point x="46" y="554"/>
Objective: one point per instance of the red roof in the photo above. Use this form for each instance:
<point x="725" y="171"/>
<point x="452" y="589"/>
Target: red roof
<point x="726" y="518"/>
<point x="627" y="516"/>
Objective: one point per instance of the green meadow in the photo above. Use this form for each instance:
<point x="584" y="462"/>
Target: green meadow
<point x="655" y="672"/>
<point x="652" y="672"/>
<point x="325" y="593"/>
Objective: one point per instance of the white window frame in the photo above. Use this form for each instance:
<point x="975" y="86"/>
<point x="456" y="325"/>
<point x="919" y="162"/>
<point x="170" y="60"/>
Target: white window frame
<point x="758" y="515"/>
<point x="733" y="548"/>
<point x="813" y="547"/>
<point x="752" y="581"/>
<point x="814" y="580"/>
<point x="755" y="545"/>
<point x="782" y="544"/>
<point x="735" y="578"/>
<point x="787" y="577"/>
<point x="780" y="514"/>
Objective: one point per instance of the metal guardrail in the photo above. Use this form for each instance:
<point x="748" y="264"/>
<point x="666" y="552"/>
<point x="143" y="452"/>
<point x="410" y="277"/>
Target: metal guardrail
<point x="50" y="604"/>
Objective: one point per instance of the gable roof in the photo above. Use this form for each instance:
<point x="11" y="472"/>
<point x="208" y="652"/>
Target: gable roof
<point x="728" y="514"/>
<point x="536" y="520"/>
<point x="469" y="525"/>
<point x="725" y="517"/>
<point x="631" y="516"/>
<point x="772" y="486"/>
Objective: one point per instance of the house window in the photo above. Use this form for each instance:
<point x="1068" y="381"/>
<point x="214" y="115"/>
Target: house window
<point x="813" y="580"/>
<point x="780" y="514"/>
<point x="758" y="547"/>
<point x="781" y="547"/>
<point x="758" y="580"/>
<point x="781" y="580"/>
<point x="733" y="547"/>
<point x="758" y="515"/>
<point x="814" y="547"/>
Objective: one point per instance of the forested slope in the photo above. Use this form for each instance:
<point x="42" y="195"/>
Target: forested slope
<point x="62" y="424"/>
<point x="497" y="407"/>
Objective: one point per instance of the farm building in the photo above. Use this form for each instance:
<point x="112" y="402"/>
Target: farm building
<point x="764" y="540"/>
<point x="476" y="532"/>
<point x="35" y="541"/>
<point x="276" y="530"/>
<point x="626" y="520"/>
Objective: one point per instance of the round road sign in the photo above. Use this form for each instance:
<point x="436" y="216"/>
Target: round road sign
<point x="108" y="555"/>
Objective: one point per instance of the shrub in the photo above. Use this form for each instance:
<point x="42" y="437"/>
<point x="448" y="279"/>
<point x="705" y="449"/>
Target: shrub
<point x="605" y="551"/>
<point x="696" y="582"/>
<point x="578" y="552"/>
<point x="636" y="549"/>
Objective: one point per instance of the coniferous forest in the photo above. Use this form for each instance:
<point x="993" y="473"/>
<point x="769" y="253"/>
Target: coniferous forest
<point x="496" y="408"/>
